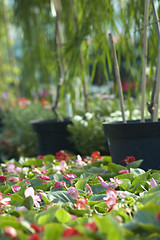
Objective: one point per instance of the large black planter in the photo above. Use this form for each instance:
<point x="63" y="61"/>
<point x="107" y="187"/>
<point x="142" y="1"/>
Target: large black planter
<point x="52" y="136"/>
<point x="141" y="140"/>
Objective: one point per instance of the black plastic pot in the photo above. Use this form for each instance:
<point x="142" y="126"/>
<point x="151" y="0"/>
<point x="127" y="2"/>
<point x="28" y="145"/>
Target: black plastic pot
<point x="52" y="136"/>
<point x="141" y="140"/>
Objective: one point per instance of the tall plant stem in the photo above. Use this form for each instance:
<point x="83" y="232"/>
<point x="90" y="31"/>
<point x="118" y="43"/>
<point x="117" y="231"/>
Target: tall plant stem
<point x="144" y="63"/>
<point x="61" y="60"/>
<point x="118" y="79"/>
<point x="9" y="49"/>
<point x="153" y="106"/>
<point x="82" y="65"/>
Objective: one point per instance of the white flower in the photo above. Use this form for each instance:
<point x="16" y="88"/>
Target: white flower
<point x="77" y="118"/>
<point x="85" y="123"/>
<point x="88" y="115"/>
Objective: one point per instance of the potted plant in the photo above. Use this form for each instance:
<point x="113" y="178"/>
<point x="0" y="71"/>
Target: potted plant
<point x="53" y="134"/>
<point x="138" y="138"/>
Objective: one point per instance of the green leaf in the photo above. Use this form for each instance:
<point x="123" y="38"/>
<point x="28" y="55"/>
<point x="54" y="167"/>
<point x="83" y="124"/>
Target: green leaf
<point x="96" y="170"/>
<point x="53" y="231"/>
<point x="36" y="182"/>
<point x="146" y="216"/>
<point x="48" y="158"/>
<point x="28" y="203"/>
<point x="115" y="168"/>
<point x="33" y="162"/>
<point x="98" y="197"/>
<point x="126" y="185"/>
<point x="109" y="225"/>
<point x="60" y="197"/>
<point x="137" y="182"/>
<point x="16" y="200"/>
<point x="46" y="216"/>
<point x="97" y="188"/>
<point x="63" y="216"/>
<point x="81" y="184"/>
<point x="134" y="164"/>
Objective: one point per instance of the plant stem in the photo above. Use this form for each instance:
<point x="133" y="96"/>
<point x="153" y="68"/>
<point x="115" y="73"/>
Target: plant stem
<point x="118" y="79"/>
<point x="155" y="92"/>
<point x="62" y="63"/>
<point x="144" y="64"/>
<point x="81" y="63"/>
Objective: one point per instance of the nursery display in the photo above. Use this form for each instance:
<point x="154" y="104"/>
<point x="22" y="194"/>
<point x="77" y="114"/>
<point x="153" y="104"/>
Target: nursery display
<point x="140" y="138"/>
<point x="70" y="197"/>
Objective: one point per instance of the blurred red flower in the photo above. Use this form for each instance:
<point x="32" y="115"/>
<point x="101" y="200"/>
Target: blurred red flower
<point x="71" y="232"/>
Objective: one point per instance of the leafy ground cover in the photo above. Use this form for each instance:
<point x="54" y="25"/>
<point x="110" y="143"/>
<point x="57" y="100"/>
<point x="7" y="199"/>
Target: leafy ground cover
<point x="67" y="197"/>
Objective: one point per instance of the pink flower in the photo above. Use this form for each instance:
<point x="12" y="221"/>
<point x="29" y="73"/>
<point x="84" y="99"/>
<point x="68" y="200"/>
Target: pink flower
<point x="73" y="216"/>
<point x="21" y="208"/>
<point x="61" y="167"/>
<point x="105" y="185"/>
<point x="60" y="184"/>
<point x="3" y="179"/>
<point x="10" y="231"/>
<point x="89" y="188"/>
<point x="111" y="198"/>
<point x="100" y="178"/>
<point x="153" y="183"/>
<point x="70" y="176"/>
<point x="15" y="188"/>
<point x="18" y="170"/>
<point x="10" y="167"/>
<point x="4" y="201"/>
<point x="73" y="192"/>
<point x="13" y="179"/>
<point x="79" y="162"/>
<point x="115" y="182"/>
<point x="36" y="198"/>
<point x="124" y="171"/>
<point x="42" y="176"/>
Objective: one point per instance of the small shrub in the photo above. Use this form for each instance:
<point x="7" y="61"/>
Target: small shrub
<point x="87" y="135"/>
<point x="17" y="137"/>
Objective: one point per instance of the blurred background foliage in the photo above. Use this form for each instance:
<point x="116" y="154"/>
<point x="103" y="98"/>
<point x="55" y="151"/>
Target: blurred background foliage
<point x="31" y="59"/>
<point x="45" y="41"/>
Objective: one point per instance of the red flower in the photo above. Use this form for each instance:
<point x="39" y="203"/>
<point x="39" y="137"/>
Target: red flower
<point x="158" y="216"/>
<point x="128" y="159"/>
<point x="96" y="156"/>
<point x="62" y="156"/>
<point x="34" y="236"/>
<point x="3" y="142"/>
<point x="3" y="179"/>
<point x="92" y="226"/>
<point x="37" y="228"/>
<point x="71" y="232"/>
<point x="81" y="203"/>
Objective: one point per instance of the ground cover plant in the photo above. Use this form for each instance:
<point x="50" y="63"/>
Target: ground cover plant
<point x="67" y="197"/>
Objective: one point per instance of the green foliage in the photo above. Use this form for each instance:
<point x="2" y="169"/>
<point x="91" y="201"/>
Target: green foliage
<point x="88" y="136"/>
<point x="17" y="132"/>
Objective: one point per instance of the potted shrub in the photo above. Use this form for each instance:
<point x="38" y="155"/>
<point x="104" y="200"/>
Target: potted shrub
<point x="53" y="134"/>
<point x="140" y="138"/>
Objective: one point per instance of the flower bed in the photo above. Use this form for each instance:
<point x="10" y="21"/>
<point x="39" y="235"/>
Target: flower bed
<point x="67" y="197"/>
